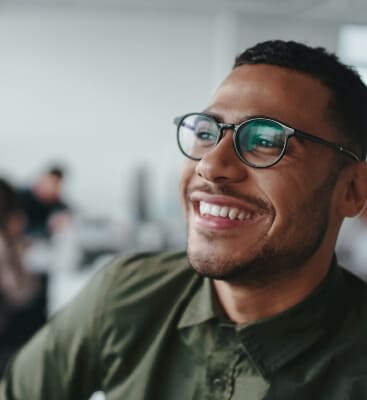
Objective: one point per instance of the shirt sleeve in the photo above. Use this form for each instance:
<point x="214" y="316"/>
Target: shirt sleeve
<point x="59" y="362"/>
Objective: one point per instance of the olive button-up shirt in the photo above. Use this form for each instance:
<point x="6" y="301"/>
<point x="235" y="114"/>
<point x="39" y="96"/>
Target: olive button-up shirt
<point x="148" y="327"/>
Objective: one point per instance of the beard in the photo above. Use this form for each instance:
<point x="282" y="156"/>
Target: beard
<point x="272" y="258"/>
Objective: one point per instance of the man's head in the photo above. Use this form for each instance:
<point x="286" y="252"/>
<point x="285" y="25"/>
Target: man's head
<point x="254" y="224"/>
<point x="48" y="186"/>
<point x="347" y="108"/>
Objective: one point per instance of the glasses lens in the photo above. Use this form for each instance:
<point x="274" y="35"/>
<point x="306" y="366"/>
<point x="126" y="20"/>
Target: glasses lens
<point x="260" y="141"/>
<point x="197" y="134"/>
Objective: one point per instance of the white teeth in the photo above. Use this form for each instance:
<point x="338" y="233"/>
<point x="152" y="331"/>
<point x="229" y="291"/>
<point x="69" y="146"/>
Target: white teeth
<point x="224" y="212"/>
<point x="215" y="210"/>
<point x="233" y="212"/>
<point x="202" y="208"/>
<point x="241" y="216"/>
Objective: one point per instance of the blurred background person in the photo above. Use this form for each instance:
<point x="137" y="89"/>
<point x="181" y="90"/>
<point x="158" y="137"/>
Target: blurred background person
<point x="45" y="210"/>
<point x="22" y="294"/>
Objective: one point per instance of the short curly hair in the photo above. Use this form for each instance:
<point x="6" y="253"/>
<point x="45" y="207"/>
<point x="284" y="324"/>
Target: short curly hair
<point x="348" y="105"/>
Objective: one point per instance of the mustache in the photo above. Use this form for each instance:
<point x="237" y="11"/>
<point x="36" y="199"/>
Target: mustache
<point x="226" y="190"/>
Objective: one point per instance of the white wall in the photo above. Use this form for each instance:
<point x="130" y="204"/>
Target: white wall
<point x="99" y="89"/>
<point x="312" y="32"/>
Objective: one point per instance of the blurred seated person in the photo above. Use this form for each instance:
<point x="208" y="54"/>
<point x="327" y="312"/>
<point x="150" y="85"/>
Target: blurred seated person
<point x="22" y="295"/>
<point x="45" y="211"/>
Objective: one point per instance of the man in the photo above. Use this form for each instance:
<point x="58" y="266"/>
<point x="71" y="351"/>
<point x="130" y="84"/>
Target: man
<point x="274" y="165"/>
<point x="45" y="211"/>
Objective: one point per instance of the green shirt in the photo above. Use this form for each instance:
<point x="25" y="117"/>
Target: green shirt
<point x="148" y="327"/>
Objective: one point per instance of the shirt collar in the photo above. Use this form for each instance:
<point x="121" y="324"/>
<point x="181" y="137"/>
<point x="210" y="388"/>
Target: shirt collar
<point x="201" y="308"/>
<point x="292" y="332"/>
<point x="298" y="328"/>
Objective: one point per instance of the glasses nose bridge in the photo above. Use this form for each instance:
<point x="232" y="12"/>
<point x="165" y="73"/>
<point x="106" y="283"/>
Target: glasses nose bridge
<point x="224" y="127"/>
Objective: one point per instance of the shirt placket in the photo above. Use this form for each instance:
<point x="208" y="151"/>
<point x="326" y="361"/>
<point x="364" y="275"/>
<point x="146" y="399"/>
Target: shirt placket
<point x="224" y="363"/>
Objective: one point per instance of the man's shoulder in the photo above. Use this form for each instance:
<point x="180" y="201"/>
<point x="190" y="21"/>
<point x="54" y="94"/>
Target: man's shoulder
<point x="27" y="197"/>
<point x="25" y="192"/>
<point x="143" y="287"/>
<point x="130" y="287"/>
<point x="353" y="299"/>
<point x="354" y="281"/>
<point x="149" y="263"/>
<point x="145" y="273"/>
<point x="356" y="290"/>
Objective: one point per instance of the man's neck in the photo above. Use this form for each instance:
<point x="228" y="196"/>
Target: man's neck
<point x="245" y="304"/>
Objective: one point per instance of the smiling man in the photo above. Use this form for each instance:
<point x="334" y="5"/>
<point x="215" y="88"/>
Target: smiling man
<point x="258" y="308"/>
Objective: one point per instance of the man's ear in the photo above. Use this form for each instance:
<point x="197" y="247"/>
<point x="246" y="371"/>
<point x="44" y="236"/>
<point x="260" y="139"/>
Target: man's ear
<point x="353" y="190"/>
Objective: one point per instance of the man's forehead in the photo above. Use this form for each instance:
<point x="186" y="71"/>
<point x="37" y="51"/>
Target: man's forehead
<point x="268" y="76"/>
<point x="276" y="92"/>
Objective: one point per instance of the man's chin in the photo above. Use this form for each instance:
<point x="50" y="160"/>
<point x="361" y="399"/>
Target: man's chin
<point x="218" y="267"/>
<point x="258" y="270"/>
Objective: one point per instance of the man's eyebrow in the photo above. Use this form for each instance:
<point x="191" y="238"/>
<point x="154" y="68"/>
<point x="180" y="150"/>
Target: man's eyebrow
<point x="213" y="114"/>
<point x="219" y="117"/>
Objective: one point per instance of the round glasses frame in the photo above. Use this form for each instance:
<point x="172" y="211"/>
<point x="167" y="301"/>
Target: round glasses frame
<point x="289" y="132"/>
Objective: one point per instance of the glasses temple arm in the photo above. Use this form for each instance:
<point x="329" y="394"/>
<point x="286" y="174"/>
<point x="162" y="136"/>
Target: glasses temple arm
<point x="334" y="146"/>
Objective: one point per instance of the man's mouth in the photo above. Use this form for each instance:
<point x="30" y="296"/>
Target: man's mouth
<point x="223" y="212"/>
<point x="227" y="212"/>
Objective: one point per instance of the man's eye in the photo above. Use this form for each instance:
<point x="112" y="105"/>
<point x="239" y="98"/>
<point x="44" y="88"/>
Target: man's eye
<point x="207" y="136"/>
<point x="264" y="142"/>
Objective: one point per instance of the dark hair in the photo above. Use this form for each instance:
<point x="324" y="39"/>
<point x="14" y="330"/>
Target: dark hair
<point x="348" y="105"/>
<point x="57" y="171"/>
<point x="9" y="202"/>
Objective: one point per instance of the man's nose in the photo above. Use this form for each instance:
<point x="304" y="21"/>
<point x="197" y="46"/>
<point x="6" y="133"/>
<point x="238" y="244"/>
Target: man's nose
<point x="221" y="164"/>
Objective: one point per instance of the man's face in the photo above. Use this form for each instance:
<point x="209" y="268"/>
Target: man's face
<point x="273" y="219"/>
<point x="49" y="188"/>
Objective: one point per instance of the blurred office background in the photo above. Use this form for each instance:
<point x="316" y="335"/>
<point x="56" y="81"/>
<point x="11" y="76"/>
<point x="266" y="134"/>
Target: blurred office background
<point x="95" y="85"/>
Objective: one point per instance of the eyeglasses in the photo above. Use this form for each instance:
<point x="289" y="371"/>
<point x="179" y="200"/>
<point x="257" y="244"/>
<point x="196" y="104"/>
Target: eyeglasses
<point x="259" y="142"/>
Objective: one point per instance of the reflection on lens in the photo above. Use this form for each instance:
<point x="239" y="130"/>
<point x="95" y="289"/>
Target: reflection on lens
<point x="260" y="141"/>
<point x="197" y="133"/>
